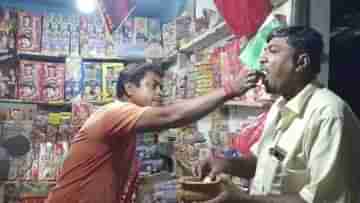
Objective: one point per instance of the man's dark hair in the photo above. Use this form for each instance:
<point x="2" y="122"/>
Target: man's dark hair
<point x="304" y="40"/>
<point x="134" y="73"/>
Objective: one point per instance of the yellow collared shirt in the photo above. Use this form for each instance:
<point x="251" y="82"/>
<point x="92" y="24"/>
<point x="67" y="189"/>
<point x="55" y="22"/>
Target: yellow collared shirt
<point x="318" y="133"/>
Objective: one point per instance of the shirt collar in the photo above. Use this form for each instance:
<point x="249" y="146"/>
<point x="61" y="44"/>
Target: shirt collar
<point x="297" y="104"/>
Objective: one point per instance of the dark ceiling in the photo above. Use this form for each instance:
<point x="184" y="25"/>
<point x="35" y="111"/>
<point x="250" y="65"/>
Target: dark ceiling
<point x="343" y="9"/>
<point x="345" y="18"/>
<point x="345" y="49"/>
<point x="345" y="22"/>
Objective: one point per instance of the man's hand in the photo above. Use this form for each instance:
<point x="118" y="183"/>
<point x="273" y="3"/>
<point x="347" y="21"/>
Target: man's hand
<point x="211" y="167"/>
<point x="242" y="84"/>
<point x="231" y="194"/>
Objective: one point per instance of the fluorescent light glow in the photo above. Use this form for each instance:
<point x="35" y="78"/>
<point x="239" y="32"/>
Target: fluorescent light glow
<point x="86" y="6"/>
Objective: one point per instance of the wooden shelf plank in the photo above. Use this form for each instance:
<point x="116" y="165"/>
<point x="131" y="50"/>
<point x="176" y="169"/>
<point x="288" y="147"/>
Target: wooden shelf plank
<point x="203" y="41"/>
<point x="62" y="58"/>
<point x="59" y="103"/>
<point x="29" y="181"/>
<point x="208" y="38"/>
<point x="246" y="104"/>
<point x="16" y="101"/>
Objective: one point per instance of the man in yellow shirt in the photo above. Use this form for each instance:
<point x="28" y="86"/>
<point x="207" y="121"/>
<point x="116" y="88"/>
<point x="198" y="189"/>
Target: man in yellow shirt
<point x="308" y="149"/>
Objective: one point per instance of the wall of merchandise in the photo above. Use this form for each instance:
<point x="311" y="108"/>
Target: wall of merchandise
<point x="86" y="36"/>
<point x="214" y="59"/>
<point x="65" y="36"/>
<point x="55" y="71"/>
<point x="48" y="109"/>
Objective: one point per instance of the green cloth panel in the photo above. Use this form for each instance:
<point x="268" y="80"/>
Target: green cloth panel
<point x="253" y="50"/>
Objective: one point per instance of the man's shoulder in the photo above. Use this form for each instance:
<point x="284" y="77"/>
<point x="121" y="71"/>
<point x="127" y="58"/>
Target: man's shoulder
<point x="327" y="102"/>
<point x="328" y="97"/>
<point x="116" y="104"/>
<point x="120" y="105"/>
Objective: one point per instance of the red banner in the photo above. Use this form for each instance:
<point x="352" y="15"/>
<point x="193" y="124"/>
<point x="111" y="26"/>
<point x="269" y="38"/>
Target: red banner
<point x="244" y="17"/>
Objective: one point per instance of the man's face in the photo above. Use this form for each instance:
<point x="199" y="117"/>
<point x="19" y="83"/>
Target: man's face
<point x="28" y="69"/>
<point x="28" y="91"/>
<point x="58" y="72"/>
<point x="3" y="39"/>
<point x="27" y="21"/>
<point x="25" y="42"/>
<point x="2" y="87"/>
<point x="52" y="71"/>
<point x="278" y="63"/>
<point x="148" y="92"/>
<point x="68" y="89"/>
<point x="87" y="90"/>
<point x="51" y="92"/>
<point x="97" y="90"/>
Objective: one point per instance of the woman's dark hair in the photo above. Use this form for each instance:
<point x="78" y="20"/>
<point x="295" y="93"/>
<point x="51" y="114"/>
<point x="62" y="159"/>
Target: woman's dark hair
<point x="304" y="40"/>
<point x="134" y="73"/>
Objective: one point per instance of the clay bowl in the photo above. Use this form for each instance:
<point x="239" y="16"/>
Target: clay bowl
<point x="194" y="189"/>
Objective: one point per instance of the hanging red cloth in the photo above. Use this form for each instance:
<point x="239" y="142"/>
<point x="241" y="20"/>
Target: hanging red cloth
<point x="244" y="17"/>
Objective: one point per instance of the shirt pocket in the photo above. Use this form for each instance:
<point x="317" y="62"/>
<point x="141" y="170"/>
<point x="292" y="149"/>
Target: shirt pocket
<point x="296" y="176"/>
